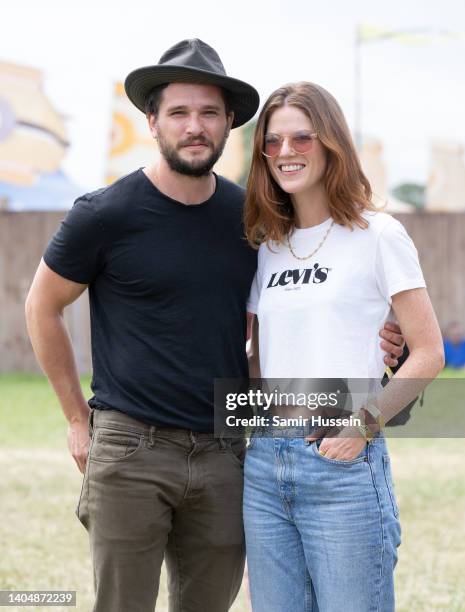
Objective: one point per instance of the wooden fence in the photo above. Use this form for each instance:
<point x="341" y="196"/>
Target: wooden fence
<point x="440" y="240"/>
<point x="23" y="237"/>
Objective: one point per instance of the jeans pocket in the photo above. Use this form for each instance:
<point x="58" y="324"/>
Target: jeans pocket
<point x="237" y="449"/>
<point x="390" y="484"/>
<point x="82" y="505"/>
<point x="361" y="457"/>
<point x="114" y="445"/>
<point x="81" y="508"/>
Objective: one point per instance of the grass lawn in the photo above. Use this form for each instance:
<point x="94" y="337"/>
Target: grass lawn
<point x="45" y="547"/>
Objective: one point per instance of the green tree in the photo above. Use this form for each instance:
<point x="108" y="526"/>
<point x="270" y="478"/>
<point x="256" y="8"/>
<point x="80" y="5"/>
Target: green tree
<point x="412" y="193"/>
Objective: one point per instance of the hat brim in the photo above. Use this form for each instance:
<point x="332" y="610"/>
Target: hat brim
<point x="243" y="98"/>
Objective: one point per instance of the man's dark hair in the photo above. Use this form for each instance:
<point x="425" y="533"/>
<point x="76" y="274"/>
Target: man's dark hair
<point x="153" y="101"/>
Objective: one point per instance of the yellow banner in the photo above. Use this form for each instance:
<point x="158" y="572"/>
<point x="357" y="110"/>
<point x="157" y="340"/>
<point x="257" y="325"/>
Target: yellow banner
<point x="369" y="33"/>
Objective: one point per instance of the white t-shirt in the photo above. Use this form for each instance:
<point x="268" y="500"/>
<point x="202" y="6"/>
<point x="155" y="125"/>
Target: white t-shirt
<point x="320" y="318"/>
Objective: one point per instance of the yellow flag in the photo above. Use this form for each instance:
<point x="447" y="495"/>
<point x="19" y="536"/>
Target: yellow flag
<point x="367" y="33"/>
<point x="421" y="36"/>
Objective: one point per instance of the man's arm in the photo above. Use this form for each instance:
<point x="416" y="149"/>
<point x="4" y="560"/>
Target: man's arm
<point x="49" y="294"/>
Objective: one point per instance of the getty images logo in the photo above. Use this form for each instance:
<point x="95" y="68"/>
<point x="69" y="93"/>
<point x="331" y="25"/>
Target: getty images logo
<point x="315" y="275"/>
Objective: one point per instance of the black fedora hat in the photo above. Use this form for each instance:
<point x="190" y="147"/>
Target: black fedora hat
<point x="193" y="61"/>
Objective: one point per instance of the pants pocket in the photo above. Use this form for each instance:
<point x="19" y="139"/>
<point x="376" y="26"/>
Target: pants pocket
<point x="82" y="505"/>
<point x="390" y="484"/>
<point x="114" y="445"/>
<point x="361" y="457"/>
<point x="237" y="450"/>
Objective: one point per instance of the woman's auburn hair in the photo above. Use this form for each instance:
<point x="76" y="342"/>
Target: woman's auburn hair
<point x="269" y="214"/>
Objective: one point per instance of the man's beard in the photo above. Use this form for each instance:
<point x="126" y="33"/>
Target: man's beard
<point x="192" y="168"/>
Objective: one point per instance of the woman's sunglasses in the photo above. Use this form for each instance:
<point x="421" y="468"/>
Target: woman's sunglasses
<point x="300" y="142"/>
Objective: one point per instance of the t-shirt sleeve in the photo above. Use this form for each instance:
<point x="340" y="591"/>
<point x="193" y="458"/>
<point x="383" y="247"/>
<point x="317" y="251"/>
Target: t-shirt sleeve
<point x="76" y="251"/>
<point x="397" y="267"/>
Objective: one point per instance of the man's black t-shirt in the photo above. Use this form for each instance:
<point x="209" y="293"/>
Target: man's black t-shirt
<point x="168" y="285"/>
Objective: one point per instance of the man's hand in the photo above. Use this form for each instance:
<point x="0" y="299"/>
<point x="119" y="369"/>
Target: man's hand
<point x="393" y="343"/>
<point x="347" y="445"/>
<point x="79" y="442"/>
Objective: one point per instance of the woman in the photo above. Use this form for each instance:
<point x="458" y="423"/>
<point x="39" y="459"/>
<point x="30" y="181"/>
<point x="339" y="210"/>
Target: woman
<point x="320" y="514"/>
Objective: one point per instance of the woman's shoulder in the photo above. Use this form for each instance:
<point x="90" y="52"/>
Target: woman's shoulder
<point x="378" y="221"/>
<point x="269" y="248"/>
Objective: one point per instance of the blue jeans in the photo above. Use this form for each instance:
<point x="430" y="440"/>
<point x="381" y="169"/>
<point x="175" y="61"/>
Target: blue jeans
<point x="321" y="534"/>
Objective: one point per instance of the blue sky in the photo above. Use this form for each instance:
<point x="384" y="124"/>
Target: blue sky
<point x="411" y="94"/>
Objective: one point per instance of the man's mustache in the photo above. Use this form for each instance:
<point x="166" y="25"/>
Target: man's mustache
<point x="195" y="141"/>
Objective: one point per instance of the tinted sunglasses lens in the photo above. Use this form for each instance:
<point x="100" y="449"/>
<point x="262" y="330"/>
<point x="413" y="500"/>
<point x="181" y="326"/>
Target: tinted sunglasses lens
<point x="272" y="145"/>
<point x="302" y="142"/>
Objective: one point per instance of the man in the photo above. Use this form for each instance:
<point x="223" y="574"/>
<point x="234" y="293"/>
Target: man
<point x="168" y="270"/>
<point x="454" y="346"/>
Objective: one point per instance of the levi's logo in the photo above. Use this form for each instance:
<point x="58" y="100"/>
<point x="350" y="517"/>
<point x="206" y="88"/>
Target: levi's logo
<point x="315" y="275"/>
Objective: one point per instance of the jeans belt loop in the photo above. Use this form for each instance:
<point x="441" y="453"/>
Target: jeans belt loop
<point x="152" y="431"/>
<point x="222" y="441"/>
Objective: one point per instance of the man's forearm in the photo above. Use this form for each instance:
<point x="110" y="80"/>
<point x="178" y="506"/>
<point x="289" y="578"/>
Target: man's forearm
<point x="52" y="346"/>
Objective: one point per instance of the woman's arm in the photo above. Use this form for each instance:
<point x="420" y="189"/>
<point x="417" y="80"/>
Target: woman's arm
<point x="253" y="353"/>
<point x="420" y="328"/>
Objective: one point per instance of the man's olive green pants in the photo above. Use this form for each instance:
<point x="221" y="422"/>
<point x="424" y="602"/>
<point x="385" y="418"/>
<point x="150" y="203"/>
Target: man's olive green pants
<point x="150" y="494"/>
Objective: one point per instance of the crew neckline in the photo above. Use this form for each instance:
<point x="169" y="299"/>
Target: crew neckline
<point x="314" y="229"/>
<point x="166" y="197"/>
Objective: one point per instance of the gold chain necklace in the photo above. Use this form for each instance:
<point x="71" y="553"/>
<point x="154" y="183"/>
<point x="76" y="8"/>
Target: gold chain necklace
<point x="317" y="248"/>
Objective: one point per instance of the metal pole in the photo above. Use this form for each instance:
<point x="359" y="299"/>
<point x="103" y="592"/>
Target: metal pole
<point x="358" y="90"/>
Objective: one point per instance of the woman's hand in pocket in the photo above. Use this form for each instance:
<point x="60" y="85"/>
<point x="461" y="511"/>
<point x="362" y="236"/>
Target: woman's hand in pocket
<point x="346" y="446"/>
